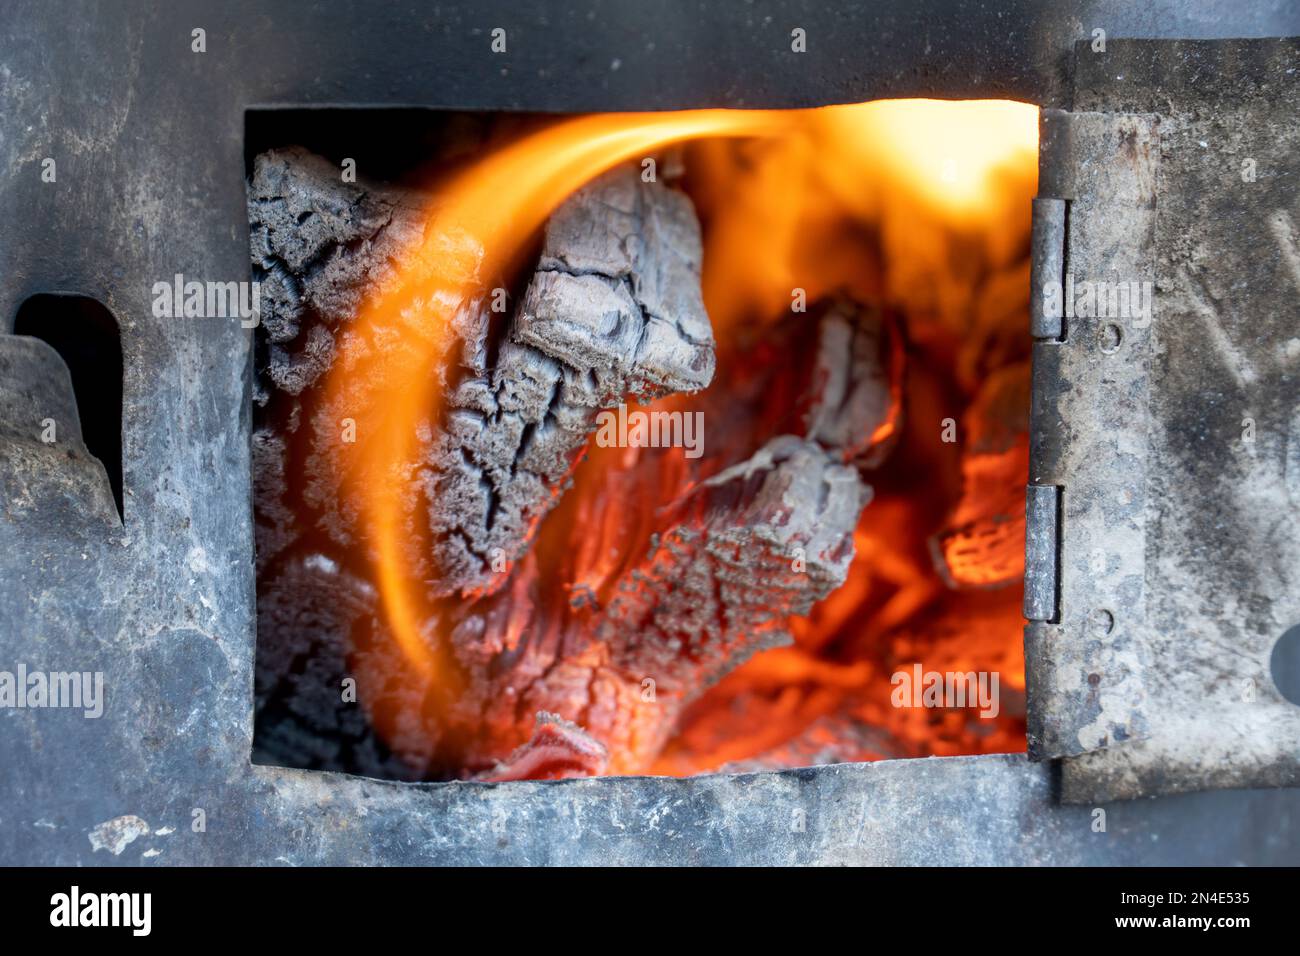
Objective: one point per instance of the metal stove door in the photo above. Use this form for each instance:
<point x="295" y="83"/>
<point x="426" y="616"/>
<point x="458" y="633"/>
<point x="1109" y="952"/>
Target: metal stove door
<point x="1163" y="543"/>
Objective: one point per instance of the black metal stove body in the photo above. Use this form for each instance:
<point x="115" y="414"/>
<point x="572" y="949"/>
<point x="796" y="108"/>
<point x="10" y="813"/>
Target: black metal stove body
<point x="146" y="139"/>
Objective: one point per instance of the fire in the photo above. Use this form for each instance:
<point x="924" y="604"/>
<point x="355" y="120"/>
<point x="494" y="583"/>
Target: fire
<point x="478" y="228"/>
<point x="920" y="207"/>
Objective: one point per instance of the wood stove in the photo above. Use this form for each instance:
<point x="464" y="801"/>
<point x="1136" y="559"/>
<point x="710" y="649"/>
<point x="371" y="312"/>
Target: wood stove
<point x="1159" y="565"/>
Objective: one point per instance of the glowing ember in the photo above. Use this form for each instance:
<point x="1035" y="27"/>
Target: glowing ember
<point x="902" y="227"/>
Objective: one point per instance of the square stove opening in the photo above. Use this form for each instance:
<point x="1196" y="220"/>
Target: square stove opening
<point x="658" y="443"/>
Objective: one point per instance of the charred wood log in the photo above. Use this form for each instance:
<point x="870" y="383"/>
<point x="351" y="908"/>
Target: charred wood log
<point x="551" y="687"/>
<point x="612" y="312"/>
<point x="983" y="542"/>
<point x="856" y="404"/>
<point x="732" y="561"/>
<point x="319" y="245"/>
<point x="308" y="607"/>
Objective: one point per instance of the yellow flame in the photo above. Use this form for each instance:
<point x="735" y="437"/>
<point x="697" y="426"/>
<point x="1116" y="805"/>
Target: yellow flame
<point x="947" y="152"/>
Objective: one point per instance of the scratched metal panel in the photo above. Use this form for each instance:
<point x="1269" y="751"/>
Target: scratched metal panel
<point x="1221" y="575"/>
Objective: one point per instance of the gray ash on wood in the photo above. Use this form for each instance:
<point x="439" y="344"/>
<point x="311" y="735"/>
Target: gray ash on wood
<point x="852" y="381"/>
<point x="612" y="312"/>
<point x="714" y="584"/>
<point x="711" y="581"/>
<point x="759" y="542"/>
<point x="319" y="246"/>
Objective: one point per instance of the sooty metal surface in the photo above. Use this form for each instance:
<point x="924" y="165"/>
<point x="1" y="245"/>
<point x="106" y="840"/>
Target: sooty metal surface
<point x="1221" y="505"/>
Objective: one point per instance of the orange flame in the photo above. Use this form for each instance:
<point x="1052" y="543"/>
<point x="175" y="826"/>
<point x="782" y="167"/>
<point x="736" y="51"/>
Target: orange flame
<point x="773" y="225"/>
<point x="382" y="378"/>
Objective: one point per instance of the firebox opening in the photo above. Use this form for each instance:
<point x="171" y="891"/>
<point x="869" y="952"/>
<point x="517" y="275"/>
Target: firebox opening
<point x="717" y="463"/>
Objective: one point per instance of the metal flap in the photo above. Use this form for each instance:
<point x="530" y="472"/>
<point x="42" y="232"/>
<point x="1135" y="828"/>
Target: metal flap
<point x="1167" y="428"/>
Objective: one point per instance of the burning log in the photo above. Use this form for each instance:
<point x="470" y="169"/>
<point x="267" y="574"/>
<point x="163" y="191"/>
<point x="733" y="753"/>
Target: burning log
<point x="598" y="682"/>
<point x="731" y="562"/>
<point x="319" y="245"/>
<point x="724" y="568"/>
<point x="751" y="546"/>
<point x="612" y="311"/>
<point x="983" y="542"/>
<point x="857" y="404"/>
<point x="580" y="595"/>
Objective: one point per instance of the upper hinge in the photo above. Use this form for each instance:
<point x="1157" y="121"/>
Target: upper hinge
<point x="1047" y="265"/>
